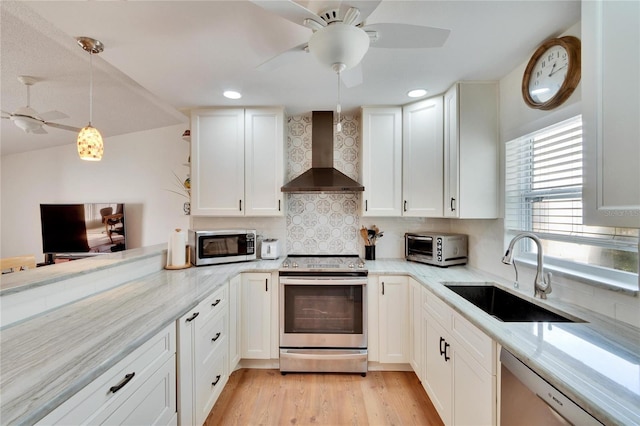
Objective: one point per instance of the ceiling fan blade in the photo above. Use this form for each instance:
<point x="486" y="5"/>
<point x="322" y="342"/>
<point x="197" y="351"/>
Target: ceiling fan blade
<point x="407" y="36"/>
<point x="38" y="131"/>
<point x="289" y="10"/>
<point x="63" y="127"/>
<point x="52" y="115"/>
<point x="6" y="114"/>
<point x="352" y="77"/>
<point x="283" y="58"/>
<point x="366" y="7"/>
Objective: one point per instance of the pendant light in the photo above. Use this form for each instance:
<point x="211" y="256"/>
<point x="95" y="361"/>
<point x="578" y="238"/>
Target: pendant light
<point x="90" y="145"/>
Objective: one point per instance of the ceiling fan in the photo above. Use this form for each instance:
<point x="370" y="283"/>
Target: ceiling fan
<point x="29" y="120"/>
<point x="341" y="37"/>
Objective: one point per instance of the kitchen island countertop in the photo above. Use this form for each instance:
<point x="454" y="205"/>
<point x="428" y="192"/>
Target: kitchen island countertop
<point x="46" y="359"/>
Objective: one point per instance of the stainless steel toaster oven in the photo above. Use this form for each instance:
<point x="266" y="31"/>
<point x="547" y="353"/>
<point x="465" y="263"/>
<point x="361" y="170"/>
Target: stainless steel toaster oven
<point x="439" y="249"/>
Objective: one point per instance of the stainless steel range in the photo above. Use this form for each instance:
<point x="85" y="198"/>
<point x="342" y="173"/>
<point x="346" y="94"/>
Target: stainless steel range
<point x="323" y="314"/>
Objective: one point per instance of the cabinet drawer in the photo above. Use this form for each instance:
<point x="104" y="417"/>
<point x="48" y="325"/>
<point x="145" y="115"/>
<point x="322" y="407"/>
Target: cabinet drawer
<point x="213" y="335"/>
<point x="153" y="403"/>
<point x="106" y="394"/>
<point x="213" y="304"/>
<point x="475" y="342"/>
<point x="209" y="385"/>
<point x="439" y="310"/>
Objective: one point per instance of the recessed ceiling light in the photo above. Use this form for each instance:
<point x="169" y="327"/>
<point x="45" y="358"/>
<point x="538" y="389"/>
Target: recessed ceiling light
<point x="416" y="93"/>
<point x="232" y="94"/>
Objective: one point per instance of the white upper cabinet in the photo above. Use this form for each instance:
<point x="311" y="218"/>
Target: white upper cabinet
<point x="471" y="151"/>
<point x="382" y="161"/>
<point x="422" y="174"/>
<point x="264" y="161"/>
<point x="237" y="162"/>
<point x="611" y="111"/>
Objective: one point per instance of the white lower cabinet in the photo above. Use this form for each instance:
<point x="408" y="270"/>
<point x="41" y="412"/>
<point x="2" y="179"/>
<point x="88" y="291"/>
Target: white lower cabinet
<point x="415" y="327"/>
<point x="140" y="389"/>
<point x="235" y="319"/>
<point x="257" y="289"/>
<point x="203" y="349"/>
<point x="393" y="312"/>
<point x="459" y="366"/>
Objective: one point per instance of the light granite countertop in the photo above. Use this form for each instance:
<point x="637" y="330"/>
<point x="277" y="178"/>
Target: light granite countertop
<point x="46" y="359"/>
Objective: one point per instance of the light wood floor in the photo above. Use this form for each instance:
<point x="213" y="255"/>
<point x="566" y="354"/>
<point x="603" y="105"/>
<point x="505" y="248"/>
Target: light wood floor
<point x="265" y="397"/>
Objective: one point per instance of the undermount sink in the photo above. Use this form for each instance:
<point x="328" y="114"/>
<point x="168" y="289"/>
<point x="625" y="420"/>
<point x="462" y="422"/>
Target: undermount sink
<point x="506" y="306"/>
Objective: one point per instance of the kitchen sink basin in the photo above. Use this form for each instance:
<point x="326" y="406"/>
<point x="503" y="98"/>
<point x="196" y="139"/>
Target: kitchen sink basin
<point x="506" y="306"/>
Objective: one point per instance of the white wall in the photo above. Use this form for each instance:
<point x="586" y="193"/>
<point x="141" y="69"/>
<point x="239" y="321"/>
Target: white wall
<point x="487" y="238"/>
<point x="137" y="169"/>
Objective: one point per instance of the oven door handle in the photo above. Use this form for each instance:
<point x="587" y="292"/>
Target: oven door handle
<point x="323" y="281"/>
<point x="323" y="355"/>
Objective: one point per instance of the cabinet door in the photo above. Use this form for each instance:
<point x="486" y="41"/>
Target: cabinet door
<point x="235" y="321"/>
<point x="153" y="403"/>
<point x="415" y="326"/>
<point x="217" y="162"/>
<point x="393" y="300"/>
<point x="438" y="369"/>
<point x="256" y="317"/>
<point x="422" y="175"/>
<point x="264" y="162"/>
<point x="471" y="150"/>
<point x="611" y="107"/>
<point x="382" y="161"/>
<point x="474" y="397"/>
<point x="451" y="154"/>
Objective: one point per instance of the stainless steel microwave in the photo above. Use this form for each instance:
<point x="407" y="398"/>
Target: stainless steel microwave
<point x="439" y="249"/>
<point x="222" y="246"/>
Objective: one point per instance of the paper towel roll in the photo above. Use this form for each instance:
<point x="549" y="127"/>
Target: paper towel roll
<point x="177" y="248"/>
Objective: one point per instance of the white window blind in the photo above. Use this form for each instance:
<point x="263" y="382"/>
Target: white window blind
<point x="543" y="189"/>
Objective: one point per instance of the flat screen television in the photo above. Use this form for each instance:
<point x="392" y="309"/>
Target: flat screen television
<point x="79" y="230"/>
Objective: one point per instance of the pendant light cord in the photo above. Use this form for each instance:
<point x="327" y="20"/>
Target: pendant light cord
<point x="339" y="107"/>
<point x="90" y="88"/>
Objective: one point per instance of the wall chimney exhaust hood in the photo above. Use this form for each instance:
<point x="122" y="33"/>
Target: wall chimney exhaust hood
<point x="322" y="177"/>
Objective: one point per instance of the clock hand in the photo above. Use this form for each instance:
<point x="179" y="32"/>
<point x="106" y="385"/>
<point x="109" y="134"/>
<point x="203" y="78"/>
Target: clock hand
<point x="552" y="68"/>
<point x="553" y="72"/>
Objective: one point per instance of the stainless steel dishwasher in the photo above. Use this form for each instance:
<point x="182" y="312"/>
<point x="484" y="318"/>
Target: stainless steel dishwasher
<point x="528" y="399"/>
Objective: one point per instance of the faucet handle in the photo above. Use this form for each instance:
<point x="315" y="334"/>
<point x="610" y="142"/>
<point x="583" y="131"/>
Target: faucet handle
<point x="547" y="282"/>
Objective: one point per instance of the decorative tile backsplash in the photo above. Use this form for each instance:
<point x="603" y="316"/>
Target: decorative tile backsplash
<point x="323" y="223"/>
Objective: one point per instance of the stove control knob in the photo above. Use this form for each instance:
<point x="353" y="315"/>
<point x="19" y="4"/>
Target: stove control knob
<point x="294" y="265"/>
<point x="285" y="264"/>
<point x="361" y="265"/>
<point x="351" y="265"/>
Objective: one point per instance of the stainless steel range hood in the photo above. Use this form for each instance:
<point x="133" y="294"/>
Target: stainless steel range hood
<point x="322" y="177"/>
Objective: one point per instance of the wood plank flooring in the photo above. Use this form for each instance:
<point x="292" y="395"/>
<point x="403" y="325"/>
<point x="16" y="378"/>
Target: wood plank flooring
<point x="265" y="397"/>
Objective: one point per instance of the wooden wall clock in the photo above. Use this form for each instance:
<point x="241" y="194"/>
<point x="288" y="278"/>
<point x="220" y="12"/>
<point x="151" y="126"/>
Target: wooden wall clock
<point x="552" y="74"/>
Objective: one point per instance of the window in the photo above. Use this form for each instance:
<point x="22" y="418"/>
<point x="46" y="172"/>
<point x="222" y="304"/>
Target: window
<point x="543" y="195"/>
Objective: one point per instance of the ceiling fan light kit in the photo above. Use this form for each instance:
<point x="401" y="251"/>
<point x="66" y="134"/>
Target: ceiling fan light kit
<point x="89" y="142"/>
<point x="339" y="43"/>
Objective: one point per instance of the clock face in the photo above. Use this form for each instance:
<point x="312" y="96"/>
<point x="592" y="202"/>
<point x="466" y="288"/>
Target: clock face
<point x="548" y="74"/>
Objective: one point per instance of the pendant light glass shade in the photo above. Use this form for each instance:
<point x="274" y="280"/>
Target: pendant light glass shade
<point x="90" y="146"/>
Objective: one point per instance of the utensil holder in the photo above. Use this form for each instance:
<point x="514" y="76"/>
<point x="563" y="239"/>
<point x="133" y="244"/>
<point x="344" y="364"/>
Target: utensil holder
<point x="370" y="252"/>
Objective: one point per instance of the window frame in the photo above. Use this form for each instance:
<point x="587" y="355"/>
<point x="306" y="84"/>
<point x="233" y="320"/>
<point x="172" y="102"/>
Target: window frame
<point x="519" y="218"/>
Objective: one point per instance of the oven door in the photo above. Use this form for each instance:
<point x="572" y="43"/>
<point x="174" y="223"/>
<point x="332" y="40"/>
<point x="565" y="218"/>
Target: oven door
<point x="323" y="312"/>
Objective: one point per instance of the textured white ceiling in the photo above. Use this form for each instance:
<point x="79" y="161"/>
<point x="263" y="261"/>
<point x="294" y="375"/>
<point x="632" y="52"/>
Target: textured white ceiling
<point x="162" y="57"/>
